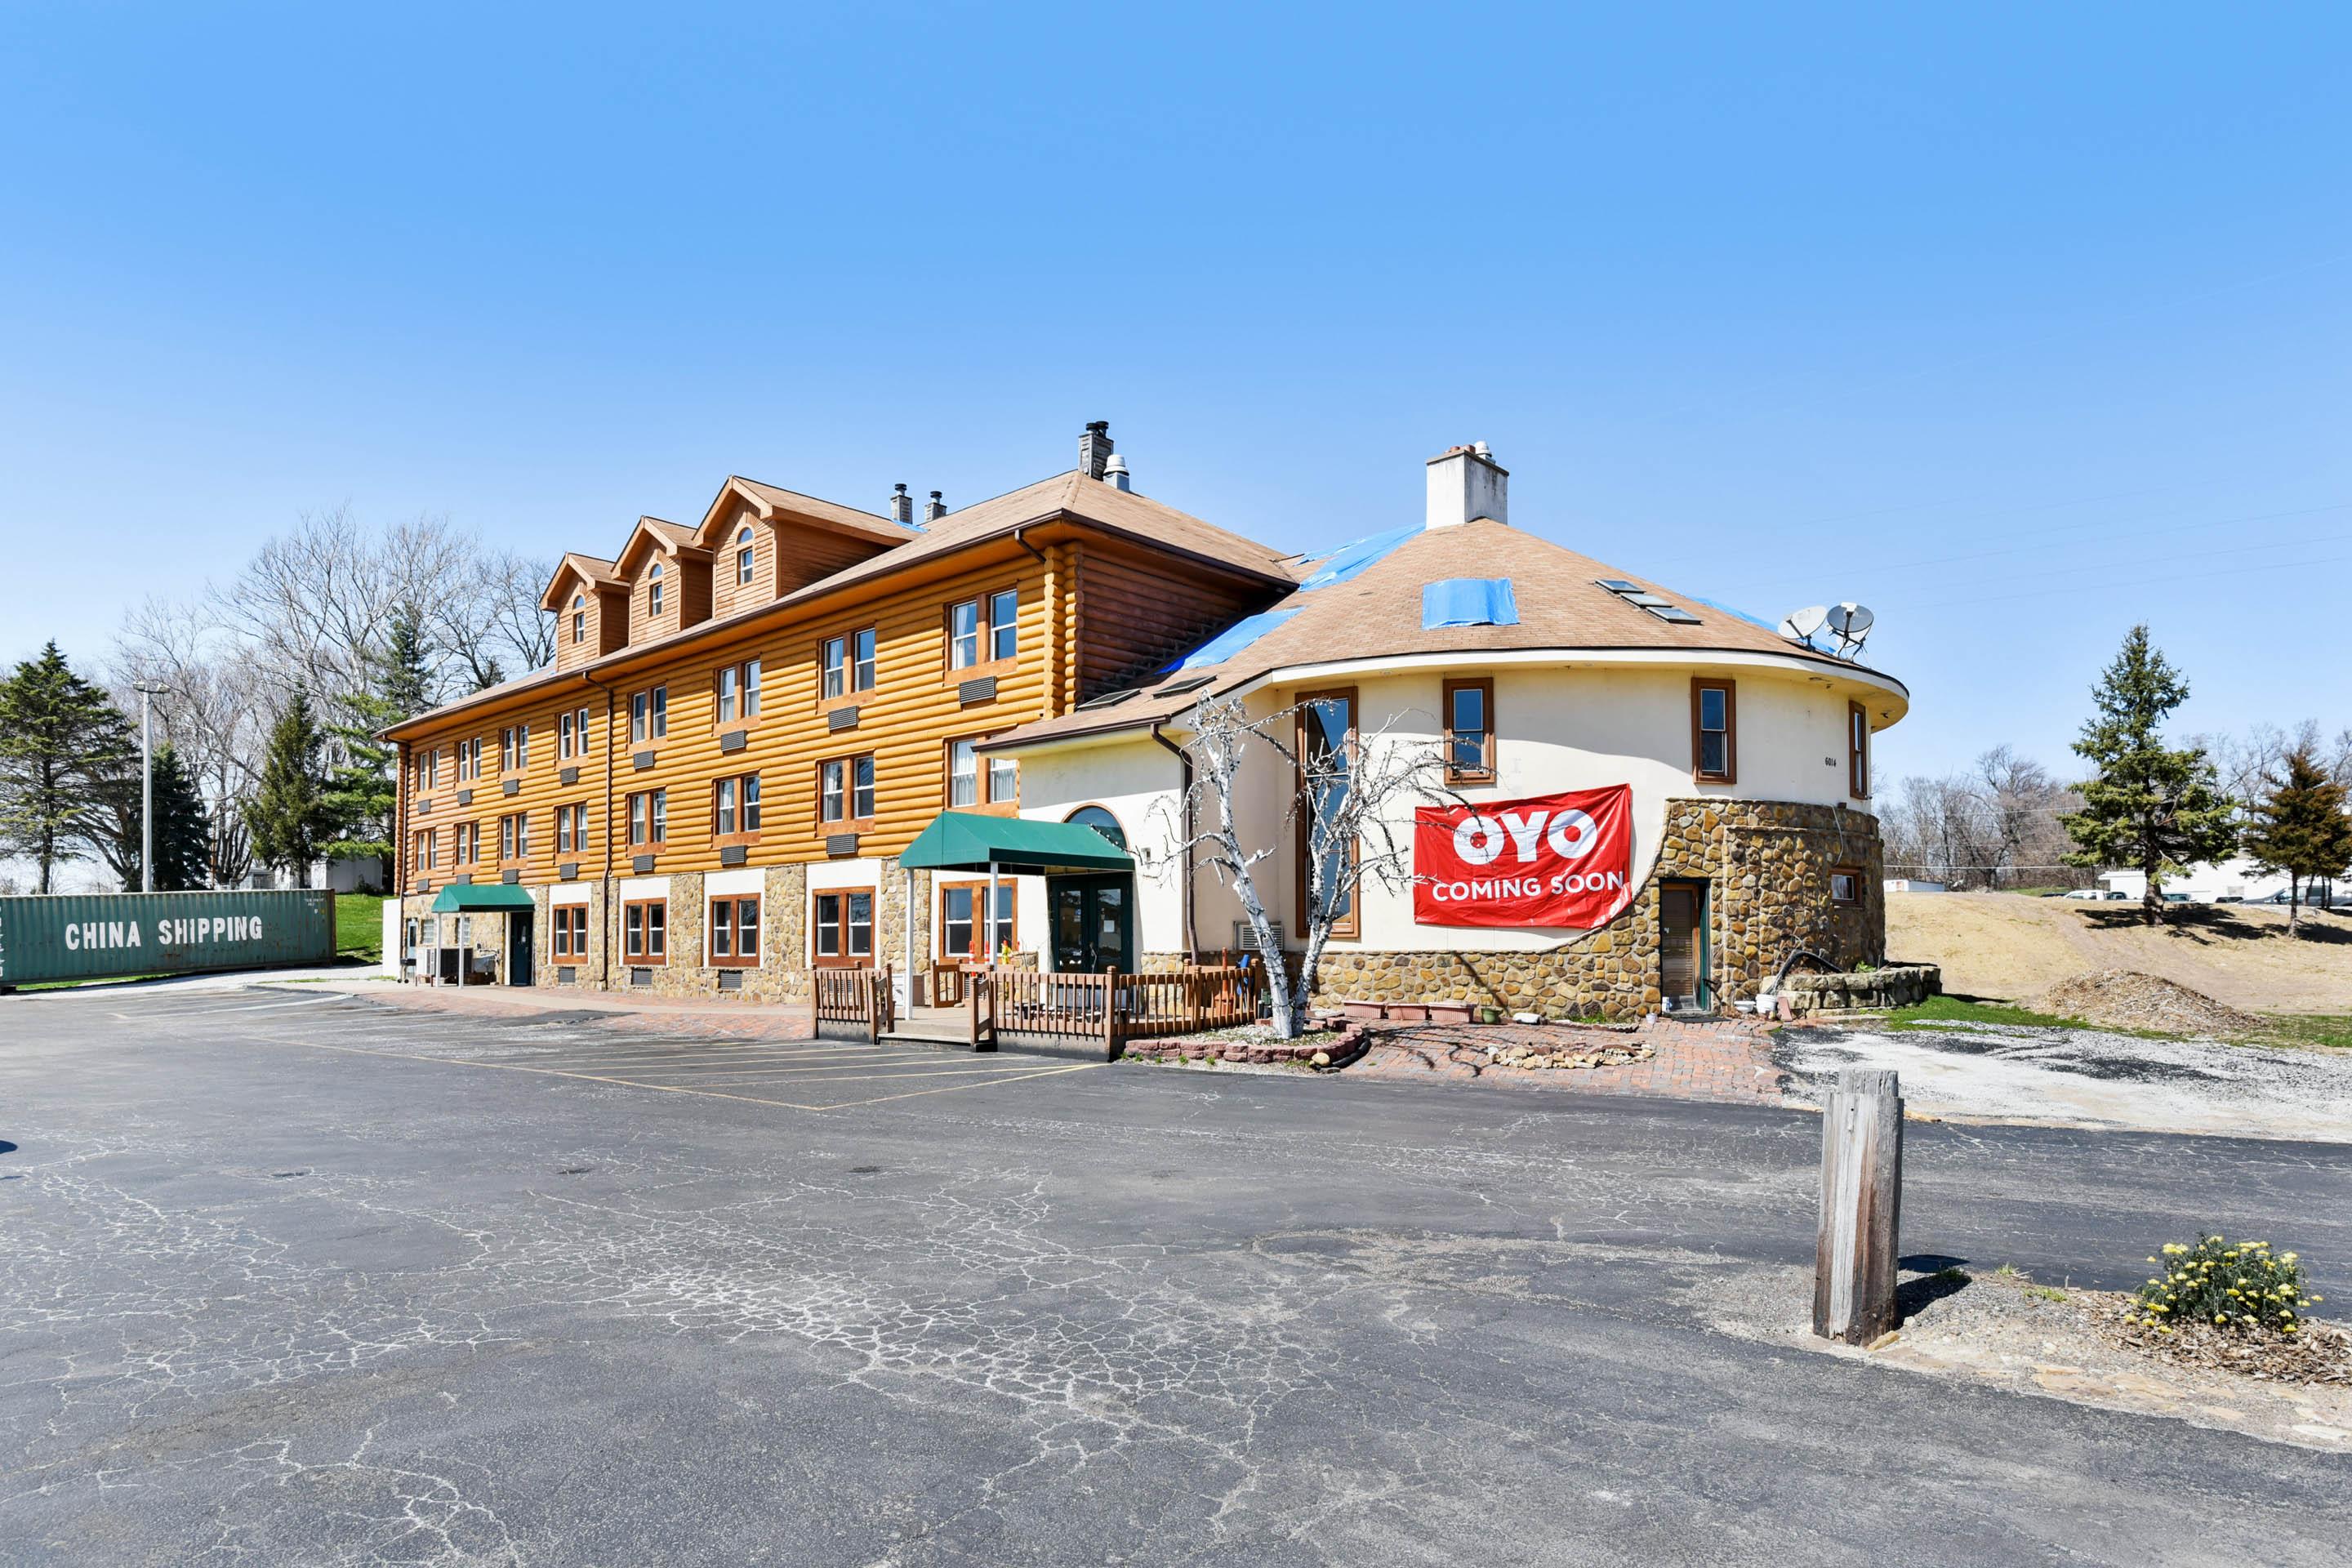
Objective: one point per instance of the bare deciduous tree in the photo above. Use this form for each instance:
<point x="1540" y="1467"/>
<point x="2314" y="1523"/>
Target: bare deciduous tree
<point x="1351" y="799"/>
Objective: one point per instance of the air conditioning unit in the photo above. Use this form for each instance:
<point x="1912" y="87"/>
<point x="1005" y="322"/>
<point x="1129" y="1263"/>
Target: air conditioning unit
<point x="1245" y="936"/>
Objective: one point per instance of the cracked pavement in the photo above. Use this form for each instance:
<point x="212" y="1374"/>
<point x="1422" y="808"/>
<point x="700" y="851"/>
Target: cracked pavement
<point x="312" y="1280"/>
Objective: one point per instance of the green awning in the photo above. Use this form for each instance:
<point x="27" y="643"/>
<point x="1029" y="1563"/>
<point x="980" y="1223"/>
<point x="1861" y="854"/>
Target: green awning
<point x="471" y="900"/>
<point x="970" y="841"/>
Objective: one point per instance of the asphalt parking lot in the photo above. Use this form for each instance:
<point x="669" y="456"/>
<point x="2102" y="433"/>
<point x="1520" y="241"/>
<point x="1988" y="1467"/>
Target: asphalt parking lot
<point x="294" y="1279"/>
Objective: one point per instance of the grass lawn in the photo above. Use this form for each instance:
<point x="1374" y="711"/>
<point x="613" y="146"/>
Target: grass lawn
<point x="2314" y="1029"/>
<point x="359" y="927"/>
<point x="1963" y="1010"/>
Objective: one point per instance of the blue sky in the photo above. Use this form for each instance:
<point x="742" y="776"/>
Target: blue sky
<point x="2017" y="325"/>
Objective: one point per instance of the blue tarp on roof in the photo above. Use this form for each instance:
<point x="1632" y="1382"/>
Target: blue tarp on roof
<point x="1355" y="556"/>
<point x="1469" y="602"/>
<point x="1728" y="610"/>
<point x="1233" y="639"/>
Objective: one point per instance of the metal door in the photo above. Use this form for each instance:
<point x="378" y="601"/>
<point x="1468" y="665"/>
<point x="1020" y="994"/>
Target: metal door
<point x="519" y="969"/>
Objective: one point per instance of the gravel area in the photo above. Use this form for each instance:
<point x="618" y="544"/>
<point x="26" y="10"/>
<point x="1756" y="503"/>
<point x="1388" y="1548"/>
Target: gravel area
<point x="2087" y="1077"/>
<point x="2009" y="1331"/>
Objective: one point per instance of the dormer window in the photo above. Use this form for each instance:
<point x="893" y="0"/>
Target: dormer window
<point x="579" y="617"/>
<point x="654" y="592"/>
<point x="743" y="556"/>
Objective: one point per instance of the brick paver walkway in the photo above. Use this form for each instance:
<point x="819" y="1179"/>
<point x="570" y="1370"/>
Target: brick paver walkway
<point x="1713" y="1059"/>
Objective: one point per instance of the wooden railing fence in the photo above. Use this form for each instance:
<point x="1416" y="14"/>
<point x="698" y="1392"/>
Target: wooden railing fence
<point x="852" y="1003"/>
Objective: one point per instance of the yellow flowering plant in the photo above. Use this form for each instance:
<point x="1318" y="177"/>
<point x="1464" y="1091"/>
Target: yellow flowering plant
<point x="2243" y="1287"/>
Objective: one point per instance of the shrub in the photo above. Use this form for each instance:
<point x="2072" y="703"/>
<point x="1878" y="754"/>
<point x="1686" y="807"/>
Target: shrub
<point x="2245" y="1287"/>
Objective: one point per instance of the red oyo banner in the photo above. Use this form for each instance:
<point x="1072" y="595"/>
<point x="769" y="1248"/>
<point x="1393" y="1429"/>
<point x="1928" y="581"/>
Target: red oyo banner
<point x="1563" y="859"/>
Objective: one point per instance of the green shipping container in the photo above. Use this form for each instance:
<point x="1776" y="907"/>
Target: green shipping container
<point x="88" y="936"/>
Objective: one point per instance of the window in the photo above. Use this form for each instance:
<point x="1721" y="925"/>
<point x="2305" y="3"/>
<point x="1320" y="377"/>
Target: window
<point x="985" y="630"/>
<point x="842" y="930"/>
<point x="974" y="783"/>
<point x="1845" y="885"/>
<point x="1470" y="732"/>
<point x="428" y="768"/>
<point x="422" y="850"/>
<point x="743" y="556"/>
<point x="469" y="759"/>
<point x="738" y="691"/>
<point x="1714" y="730"/>
<point x="571" y="930"/>
<point x="844" y="789"/>
<point x="964" y="925"/>
<point x="1003" y="624"/>
<point x="735" y="933"/>
<point x="1327" y="752"/>
<point x="653" y="590"/>
<point x="466" y="844"/>
<point x="579" y="617"/>
<point x="571" y="830"/>
<point x="514" y="748"/>
<point x="571" y="735"/>
<point x="1100" y="819"/>
<point x="845" y="665"/>
<point x="649" y="714"/>
<point x="514" y="836"/>
<point x="1857" y="751"/>
<point x="735" y="805"/>
<point x="645" y="932"/>
<point x="649" y="816"/>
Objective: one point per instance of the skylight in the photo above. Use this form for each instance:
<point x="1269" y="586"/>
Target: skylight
<point x="1641" y="598"/>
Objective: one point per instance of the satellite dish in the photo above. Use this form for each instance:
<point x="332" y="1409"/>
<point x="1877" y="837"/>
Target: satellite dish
<point x="1801" y="626"/>
<point x="1850" y="623"/>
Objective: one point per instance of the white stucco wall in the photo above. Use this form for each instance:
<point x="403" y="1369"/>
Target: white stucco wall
<point x="1559" y="727"/>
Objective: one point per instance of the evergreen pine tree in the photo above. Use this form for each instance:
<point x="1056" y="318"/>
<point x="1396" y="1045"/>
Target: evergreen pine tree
<point x="290" y="816"/>
<point x="183" y="826"/>
<point x="2300" y="828"/>
<point x="404" y="668"/>
<point x="61" y="742"/>
<point x="2152" y="807"/>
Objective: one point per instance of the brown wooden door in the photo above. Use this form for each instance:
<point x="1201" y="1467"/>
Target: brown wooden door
<point x="1682" y="943"/>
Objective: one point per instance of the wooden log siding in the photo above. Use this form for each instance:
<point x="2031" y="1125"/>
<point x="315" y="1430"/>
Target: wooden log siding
<point x="1135" y="614"/>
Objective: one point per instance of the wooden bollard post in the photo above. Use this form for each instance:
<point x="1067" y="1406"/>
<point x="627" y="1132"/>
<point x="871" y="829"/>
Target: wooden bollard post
<point x="1861" y="1205"/>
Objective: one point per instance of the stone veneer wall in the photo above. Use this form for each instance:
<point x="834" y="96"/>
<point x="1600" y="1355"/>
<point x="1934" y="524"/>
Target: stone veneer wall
<point x="782" y="976"/>
<point x="1767" y="865"/>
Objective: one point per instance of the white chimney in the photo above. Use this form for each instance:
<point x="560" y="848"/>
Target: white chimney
<point x="1114" y="474"/>
<point x="1466" y="482"/>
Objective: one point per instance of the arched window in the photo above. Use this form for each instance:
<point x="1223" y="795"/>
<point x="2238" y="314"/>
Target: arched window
<point x="1101" y="821"/>
<point x="653" y="593"/>
<point x="579" y="617"/>
<point x="743" y="554"/>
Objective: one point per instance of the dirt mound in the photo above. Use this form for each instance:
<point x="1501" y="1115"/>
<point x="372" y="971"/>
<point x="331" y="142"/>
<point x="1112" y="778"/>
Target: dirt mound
<point x="2127" y="999"/>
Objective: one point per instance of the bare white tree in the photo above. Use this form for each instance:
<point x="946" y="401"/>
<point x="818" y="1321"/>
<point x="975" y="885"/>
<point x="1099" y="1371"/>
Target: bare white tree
<point x="1350" y="796"/>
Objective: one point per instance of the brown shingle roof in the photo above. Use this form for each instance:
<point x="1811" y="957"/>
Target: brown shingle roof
<point x="843" y="517"/>
<point x="1377" y="614"/>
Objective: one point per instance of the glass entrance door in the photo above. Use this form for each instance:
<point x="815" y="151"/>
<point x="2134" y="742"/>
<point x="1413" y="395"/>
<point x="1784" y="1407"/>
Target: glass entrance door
<point x="1093" y="923"/>
<point x="1682" y="943"/>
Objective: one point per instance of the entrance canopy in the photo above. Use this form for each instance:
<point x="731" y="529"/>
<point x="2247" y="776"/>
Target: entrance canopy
<point x="466" y="899"/>
<point x="974" y="841"/>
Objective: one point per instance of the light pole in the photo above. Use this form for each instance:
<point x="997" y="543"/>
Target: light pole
<point x="146" y="796"/>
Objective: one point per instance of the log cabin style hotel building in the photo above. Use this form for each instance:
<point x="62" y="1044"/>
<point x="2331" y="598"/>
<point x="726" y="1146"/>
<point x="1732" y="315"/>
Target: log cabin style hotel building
<point x="751" y="719"/>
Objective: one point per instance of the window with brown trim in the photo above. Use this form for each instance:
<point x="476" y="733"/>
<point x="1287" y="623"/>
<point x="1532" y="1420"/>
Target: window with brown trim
<point x="571" y="735"/>
<point x="649" y="714"/>
<point x="423" y="850"/>
<point x="579" y="617"/>
<point x="428" y="768"/>
<point x="845" y="666"/>
<point x="571" y="930"/>
<point x="514" y="836"/>
<point x="469" y="759"/>
<point x="841" y="928"/>
<point x="735" y="807"/>
<point x="976" y="783"/>
<point x="1857" y="751"/>
<point x="465" y="845"/>
<point x="739" y="692"/>
<point x="514" y="748"/>
<point x="1845" y="885"/>
<point x="645" y="932"/>
<point x="1714" y="730"/>
<point x="734" y="932"/>
<point x="743" y="556"/>
<point x="845" y="791"/>
<point x="1470" y="732"/>
<point x="571" y="830"/>
<point x="649" y="816"/>
<point x="965" y="928"/>
<point x="984" y="631"/>
<point x="1327" y="753"/>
